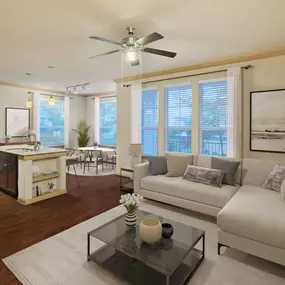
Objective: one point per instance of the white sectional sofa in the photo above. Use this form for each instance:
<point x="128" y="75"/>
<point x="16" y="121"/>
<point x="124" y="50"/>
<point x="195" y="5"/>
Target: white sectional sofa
<point x="190" y="195"/>
<point x="249" y="218"/>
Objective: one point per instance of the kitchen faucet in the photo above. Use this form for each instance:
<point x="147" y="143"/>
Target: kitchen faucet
<point x="36" y="145"/>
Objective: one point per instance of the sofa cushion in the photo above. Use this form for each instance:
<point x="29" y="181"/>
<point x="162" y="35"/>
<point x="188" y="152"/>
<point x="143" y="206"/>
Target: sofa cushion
<point x="177" y="163"/>
<point x="275" y="178"/>
<point x="256" y="171"/>
<point x="177" y="187"/>
<point x="157" y="165"/>
<point x="204" y="175"/>
<point x="229" y="167"/>
<point x="206" y="161"/>
<point x="283" y="191"/>
<point x="255" y="213"/>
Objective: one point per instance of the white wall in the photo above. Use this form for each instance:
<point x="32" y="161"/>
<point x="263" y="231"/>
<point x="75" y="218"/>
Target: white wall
<point x="77" y="113"/>
<point x="90" y="116"/>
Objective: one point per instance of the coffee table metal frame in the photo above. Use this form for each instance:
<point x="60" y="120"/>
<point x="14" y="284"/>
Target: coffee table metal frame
<point x="90" y="256"/>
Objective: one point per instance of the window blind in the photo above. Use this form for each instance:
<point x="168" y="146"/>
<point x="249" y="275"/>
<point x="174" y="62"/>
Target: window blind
<point x="52" y="121"/>
<point x="213" y="118"/>
<point x="178" y="121"/>
<point x="108" y="121"/>
<point x="150" y="122"/>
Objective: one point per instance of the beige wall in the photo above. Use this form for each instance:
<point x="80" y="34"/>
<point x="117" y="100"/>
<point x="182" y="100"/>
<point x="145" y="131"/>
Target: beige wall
<point x="11" y="97"/>
<point x="265" y="74"/>
<point x="17" y="98"/>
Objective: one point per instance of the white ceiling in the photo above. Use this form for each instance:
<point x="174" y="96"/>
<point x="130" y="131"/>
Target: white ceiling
<point x="39" y="33"/>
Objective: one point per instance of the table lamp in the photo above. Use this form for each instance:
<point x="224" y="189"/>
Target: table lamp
<point x="135" y="151"/>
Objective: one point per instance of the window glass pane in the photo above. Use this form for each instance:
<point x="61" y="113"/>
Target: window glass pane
<point x="213" y="118"/>
<point x="178" y="121"/>
<point x="150" y="122"/>
<point x="108" y="122"/>
<point x="214" y="143"/>
<point x="51" y="122"/>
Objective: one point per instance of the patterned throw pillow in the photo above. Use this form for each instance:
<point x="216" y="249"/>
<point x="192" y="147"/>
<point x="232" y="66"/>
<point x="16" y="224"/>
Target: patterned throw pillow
<point x="275" y="178"/>
<point x="203" y="175"/>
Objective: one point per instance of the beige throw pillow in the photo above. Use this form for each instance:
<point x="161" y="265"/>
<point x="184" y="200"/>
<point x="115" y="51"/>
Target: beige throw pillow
<point x="177" y="163"/>
<point x="283" y="191"/>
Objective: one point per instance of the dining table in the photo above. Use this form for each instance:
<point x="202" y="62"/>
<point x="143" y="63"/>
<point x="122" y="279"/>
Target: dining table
<point x="89" y="153"/>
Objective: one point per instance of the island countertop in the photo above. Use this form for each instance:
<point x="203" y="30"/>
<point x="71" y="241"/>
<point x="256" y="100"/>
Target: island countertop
<point x="27" y="150"/>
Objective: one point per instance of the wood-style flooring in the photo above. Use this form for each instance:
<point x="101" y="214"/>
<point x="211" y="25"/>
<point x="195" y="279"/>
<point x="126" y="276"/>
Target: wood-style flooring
<point x="22" y="226"/>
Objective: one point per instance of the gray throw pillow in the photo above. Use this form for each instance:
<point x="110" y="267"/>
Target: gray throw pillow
<point x="275" y="178"/>
<point x="157" y="165"/>
<point x="177" y="163"/>
<point x="229" y="167"/>
<point x="203" y="175"/>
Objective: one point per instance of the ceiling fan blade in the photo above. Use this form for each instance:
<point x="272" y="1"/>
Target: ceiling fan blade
<point x="160" y="52"/>
<point x="135" y="62"/>
<point x="105" y="53"/>
<point x="105" y="40"/>
<point x="149" y="39"/>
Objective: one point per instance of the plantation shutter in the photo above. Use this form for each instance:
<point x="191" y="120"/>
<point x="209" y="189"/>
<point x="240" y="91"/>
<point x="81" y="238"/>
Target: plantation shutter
<point x="213" y="118"/>
<point x="150" y="122"/>
<point x="178" y="121"/>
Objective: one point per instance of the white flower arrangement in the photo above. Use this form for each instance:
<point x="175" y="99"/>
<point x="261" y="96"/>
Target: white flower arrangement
<point x="131" y="202"/>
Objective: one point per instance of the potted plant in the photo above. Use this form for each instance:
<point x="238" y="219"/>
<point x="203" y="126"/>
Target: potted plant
<point x="50" y="187"/>
<point x="131" y="203"/>
<point x="82" y="130"/>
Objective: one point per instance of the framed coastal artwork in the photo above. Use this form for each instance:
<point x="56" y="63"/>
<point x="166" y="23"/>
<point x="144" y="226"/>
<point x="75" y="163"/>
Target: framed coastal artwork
<point x="17" y="122"/>
<point x="267" y="121"/>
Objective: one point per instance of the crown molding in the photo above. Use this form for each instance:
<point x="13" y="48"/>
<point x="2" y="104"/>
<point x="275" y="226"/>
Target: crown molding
<point x="44" y="90"/>
<point x="203" y="65"/>
<point x="110" y="93"/>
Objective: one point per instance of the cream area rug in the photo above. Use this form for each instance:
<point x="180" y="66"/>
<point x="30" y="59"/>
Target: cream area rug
<point x="62" y="259"/>
<point x="108" y="170"/>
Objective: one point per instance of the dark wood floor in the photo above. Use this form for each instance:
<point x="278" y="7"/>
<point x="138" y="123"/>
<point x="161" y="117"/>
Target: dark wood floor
<point x="23" y="226"/>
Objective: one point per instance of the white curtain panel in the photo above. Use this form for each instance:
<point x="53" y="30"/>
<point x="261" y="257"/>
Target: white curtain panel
<point x="97" y="120"/>
<point x="66" y="120"/>
<point x="234" y="112"/>
<point x="136" y="112"/>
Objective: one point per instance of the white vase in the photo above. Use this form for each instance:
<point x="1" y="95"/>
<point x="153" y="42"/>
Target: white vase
<point x="150" y="230"/>
<point x="131" y="219"/>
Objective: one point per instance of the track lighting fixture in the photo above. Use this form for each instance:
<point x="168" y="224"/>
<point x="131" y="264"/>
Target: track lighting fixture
<point x="74" y="88"/>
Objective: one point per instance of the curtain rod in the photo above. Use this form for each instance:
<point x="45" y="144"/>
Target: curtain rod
<point x="197" y="74"/>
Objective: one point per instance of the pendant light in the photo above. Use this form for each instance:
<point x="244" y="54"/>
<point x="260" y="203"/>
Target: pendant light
<point x="29" y="103"/>
<point x="51" y="100"/>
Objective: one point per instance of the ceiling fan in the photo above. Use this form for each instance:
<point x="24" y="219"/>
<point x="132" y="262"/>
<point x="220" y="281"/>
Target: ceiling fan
<point x="131" y="46"/>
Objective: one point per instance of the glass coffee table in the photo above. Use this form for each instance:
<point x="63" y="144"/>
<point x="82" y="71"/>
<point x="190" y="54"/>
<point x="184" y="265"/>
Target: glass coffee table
<point x="171" y="261"/>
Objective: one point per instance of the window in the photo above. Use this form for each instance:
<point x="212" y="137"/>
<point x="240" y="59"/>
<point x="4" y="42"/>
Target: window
<point x="150" y="122"/>
<point x="108" y="121"/>
<point x="213" y="118"/>
<point x="51" y="121"/>
<point x="178" y="121"/>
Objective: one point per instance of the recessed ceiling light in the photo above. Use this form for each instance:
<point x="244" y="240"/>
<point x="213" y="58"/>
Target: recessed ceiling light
<point x="51" y="67"/>
<point x="29" y="74"/>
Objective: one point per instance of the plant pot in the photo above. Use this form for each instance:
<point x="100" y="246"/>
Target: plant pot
<point x="150" y="230"/>
<point x="130" y="219"/>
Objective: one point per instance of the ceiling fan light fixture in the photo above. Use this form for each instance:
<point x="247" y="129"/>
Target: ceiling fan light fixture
<point x="131" y="54"/>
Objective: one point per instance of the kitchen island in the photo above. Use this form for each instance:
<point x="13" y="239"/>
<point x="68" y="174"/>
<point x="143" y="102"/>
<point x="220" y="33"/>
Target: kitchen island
<point x="19" y="179"/>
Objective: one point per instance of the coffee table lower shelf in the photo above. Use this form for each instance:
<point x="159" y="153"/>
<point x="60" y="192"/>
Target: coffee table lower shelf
<point x="136" y="272"/>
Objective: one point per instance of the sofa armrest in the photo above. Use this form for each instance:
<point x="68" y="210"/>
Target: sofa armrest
<point x="140" y="170"/>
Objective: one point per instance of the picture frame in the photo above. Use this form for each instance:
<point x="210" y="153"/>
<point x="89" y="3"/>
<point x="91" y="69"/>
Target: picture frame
<point x="267" y="121"/>
<point x="17" y="122"/>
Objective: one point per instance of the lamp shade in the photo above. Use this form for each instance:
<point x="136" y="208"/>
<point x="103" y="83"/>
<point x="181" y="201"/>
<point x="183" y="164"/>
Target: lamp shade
<point x="135" y="149"/>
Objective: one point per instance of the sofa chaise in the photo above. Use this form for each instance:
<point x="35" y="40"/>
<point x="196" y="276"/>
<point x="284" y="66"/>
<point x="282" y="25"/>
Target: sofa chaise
<point x="249" y="217"/>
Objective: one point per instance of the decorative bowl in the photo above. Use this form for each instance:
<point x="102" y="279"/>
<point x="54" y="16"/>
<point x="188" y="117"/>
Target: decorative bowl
<point x="167" y="230"/>
<point x="150" y="230"/>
